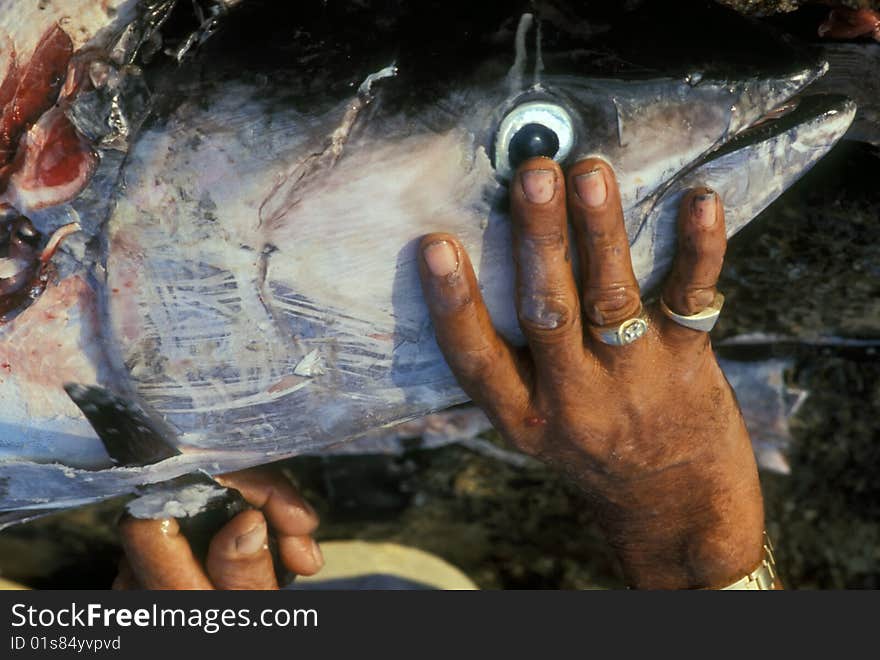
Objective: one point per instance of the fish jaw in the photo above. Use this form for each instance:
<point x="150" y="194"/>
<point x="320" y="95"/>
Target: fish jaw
<point x="748" y="175"/>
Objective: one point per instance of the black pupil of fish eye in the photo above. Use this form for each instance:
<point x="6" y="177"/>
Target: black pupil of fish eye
<point x="531" y="141"/>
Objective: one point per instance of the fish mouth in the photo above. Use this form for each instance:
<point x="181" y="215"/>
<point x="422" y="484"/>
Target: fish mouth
<point x="748" y="172"/>
<point x="800" y="110"/>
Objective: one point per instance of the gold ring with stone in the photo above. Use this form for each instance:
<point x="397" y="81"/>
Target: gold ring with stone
<point x="621" y="334"/>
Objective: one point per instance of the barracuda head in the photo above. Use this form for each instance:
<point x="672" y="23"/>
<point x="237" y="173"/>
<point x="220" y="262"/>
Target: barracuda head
<point x="248" y="274"/>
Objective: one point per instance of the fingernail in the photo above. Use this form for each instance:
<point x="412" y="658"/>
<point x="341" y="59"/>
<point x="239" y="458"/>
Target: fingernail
<point x="703" y="209"/>
<point x="539" y="186"/>
<point x="591" y="187"/>
<point x="252" y="541"/>
<point x="441" y="258"/>
<point x="317" y="555"/>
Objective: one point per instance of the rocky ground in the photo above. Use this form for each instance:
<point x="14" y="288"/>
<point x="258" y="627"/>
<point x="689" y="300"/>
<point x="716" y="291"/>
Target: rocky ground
<point x="767" y="7"/>
<point x="810" y="266"/>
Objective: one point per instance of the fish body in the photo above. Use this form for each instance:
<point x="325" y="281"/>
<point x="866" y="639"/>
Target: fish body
<point x="246" y="265"/>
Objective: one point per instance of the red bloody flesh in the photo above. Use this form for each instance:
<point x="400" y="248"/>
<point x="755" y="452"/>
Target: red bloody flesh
<point x="43" y="160"/>
<point x="37" y="89"/>
<point x="60" y="161"/>
<point x="54" y="163"/>
<point x="10" y="82"/>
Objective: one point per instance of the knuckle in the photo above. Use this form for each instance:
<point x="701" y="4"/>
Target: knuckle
<point x="454" y="301"/>
<point x="610" y="251"/>
<point x="609" y="304"/>
<point x="476" y="365"/>
<point x="543" y="237"/>
<point x="689" y="300"/>
<point x="697" y="299"/>
<point x="609" y="258"/>
<point x="545" y="313"/>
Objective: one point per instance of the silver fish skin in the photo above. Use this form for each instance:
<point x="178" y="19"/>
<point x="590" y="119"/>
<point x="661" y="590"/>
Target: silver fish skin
<point x="254" y="281"/>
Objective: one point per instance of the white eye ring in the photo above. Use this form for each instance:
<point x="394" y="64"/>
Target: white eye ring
<point x="553" y="116"/>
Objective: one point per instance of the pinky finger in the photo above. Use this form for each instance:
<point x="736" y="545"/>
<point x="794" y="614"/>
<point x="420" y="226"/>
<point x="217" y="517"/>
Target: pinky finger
<point x="702" y="242"/>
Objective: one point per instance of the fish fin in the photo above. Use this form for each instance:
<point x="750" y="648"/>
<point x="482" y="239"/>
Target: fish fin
<point x="131" y="436"/>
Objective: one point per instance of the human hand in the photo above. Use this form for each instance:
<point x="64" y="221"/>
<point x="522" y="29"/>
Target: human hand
<point x="651" y="430"/>
<point x="158" y="556"/>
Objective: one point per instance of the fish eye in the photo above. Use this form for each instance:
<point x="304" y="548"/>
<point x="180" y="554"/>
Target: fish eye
<point x="530" y="130"/>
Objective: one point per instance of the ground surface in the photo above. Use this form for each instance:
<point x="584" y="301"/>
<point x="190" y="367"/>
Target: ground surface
<point x="766" y="7"/>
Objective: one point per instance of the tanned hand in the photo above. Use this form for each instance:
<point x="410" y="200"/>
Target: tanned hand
<point x="158" y="556"/>
<point x="651" y="430"/>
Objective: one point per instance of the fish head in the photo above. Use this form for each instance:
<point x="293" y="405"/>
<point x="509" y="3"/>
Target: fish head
<point x="569" y="86"/>
<point x="437" y="151"/>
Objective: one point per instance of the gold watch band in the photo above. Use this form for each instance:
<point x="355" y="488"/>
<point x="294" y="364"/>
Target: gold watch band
<point x="762" y="578"/>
